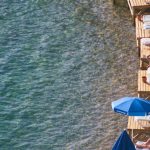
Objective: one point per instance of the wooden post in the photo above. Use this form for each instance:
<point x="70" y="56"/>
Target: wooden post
<point x="133" y="16"/>
<point x="132" y="134"/>
<point x="138" y="47"/>
<point x="114" y="2"/>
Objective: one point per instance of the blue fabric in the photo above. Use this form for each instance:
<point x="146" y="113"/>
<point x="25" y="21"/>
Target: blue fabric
<point x="124" y="142"/>
<point x="132" y="106"/>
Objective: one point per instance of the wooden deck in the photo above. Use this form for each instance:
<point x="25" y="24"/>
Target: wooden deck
<point x="140" y="32"/>
<point x="138" y="3"/>
<point x="136" y="6"/>
<point x="142" y="87"/>
<point x="138" y="125"/>
<point x="137" y="128"/>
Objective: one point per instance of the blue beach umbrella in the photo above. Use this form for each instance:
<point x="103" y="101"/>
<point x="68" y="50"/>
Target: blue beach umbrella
<point x="124" y="142"/>
<point x="132" y="106"/>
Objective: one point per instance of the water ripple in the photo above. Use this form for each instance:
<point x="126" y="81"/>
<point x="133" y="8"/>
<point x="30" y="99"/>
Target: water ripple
<point x="61" y="65"/>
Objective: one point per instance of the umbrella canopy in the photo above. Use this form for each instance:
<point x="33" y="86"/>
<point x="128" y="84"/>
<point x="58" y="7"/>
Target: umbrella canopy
<point x="132" y="106"/>
<point x="124" y="142"/>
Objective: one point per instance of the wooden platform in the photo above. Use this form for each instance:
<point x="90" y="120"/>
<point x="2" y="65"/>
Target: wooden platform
<point x="137" y="128"/>
<point x="136" y="6"/>
<point x="140" y="32"/>
<point x="142" y="87"/>
<point x="139" y="125"/>
<point x="138" y="3"/>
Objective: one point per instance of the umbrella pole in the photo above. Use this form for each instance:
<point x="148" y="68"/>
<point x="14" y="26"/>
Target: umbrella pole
<point x="132" y="135"/>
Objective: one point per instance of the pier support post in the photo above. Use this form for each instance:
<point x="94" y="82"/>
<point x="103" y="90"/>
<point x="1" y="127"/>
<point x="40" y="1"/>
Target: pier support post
<point x="114" y="2"/>
<point x="133" y="16"/>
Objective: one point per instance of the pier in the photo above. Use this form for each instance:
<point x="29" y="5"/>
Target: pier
<point x="138" y="129"/>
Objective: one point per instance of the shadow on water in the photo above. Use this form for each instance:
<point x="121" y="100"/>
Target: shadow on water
<point x="62" y="64"/>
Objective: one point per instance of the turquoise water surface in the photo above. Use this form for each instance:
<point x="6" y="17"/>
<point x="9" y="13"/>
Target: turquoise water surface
<point x="62" y="62"/>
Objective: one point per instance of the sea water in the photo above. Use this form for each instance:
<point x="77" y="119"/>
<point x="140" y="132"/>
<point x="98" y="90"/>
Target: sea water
<point x="62" y="63"/>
